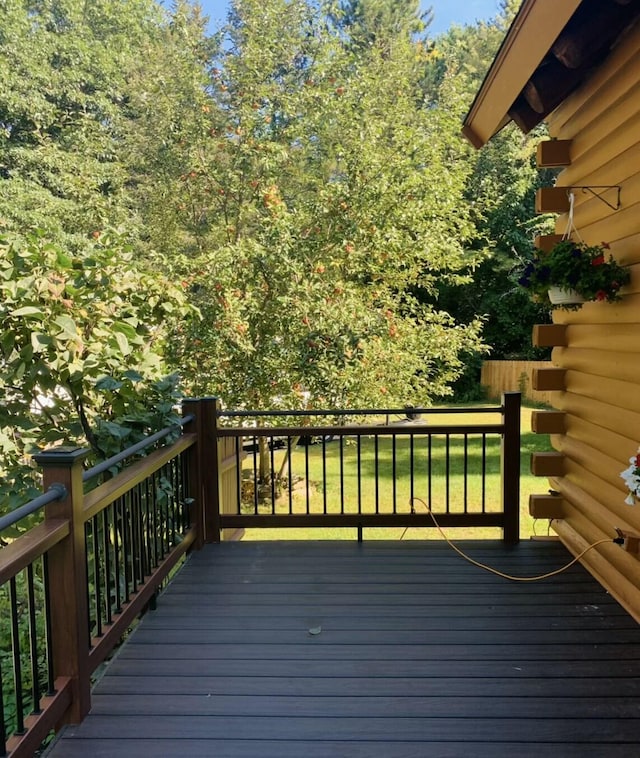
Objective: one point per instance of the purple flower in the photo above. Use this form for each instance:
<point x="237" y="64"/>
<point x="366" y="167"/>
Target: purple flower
<point x="544" y="272"/>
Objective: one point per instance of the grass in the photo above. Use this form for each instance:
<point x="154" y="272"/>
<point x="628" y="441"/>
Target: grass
<point x="311" y="476"/>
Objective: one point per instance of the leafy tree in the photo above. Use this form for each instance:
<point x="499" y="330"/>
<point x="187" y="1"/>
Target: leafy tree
<point x="80" y="352"/>
<point x="328" y="197"/>
<point x="500" y="194"/>
<point x="63" y="92"/>
<point x="84" y="322"/>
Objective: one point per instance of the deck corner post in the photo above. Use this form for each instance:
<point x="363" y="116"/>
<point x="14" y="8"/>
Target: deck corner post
<point x="210" y="463"/>
<point x="67" y="571"/>
<point x="206" y="410"/>
<point x="193" y="406"/>
<point x="510" y="466"/>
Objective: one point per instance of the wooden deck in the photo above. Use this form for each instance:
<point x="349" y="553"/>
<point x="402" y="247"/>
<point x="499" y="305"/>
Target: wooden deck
<point x="378" y="650"/>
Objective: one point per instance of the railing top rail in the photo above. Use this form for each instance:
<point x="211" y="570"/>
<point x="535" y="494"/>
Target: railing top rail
<point x="103" y="466"/>
<point x="55" y="492"/>
<point x="362" y="412"/>
<point x="364" y="430"/>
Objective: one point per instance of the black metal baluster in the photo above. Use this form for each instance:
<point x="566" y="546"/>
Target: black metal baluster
<point x="162" y="504"/>
<point x="51" y="690"/>
<point x="306" y="477"/>
<point x="430" y="472"/>
<point x="17" y="666"/>
<point x="484" y="472"/>
<point x="155" y="524"/>
<point x="125" y="546"/>
<point x="376" y="451"/>
<point x="272" y="465"/>
<point x="33" y="641"/>
<point x="289" y="474"/>
<point x="394" y="472"/>
<point x="466" y="473"/>
<point x="95" y="539"/>
<point x="173" y="502"/>
<point x="147" y="531"/>
<point x="183" y="521"/>
<point x="341" y="474"/>
<point x="237" y="447"/>
<point x="447" y="476"/>
<point x="3" y="733"/>
<point x="324" y="474"/>
<point x="256" y="452"/>
<point x="87" y="560"/>
<point x="133" y="542"/>
<point x="188" y="484"/>
<point x="411" y="468"/>
<point x="117" y="558"/>
<point x="142" y="549"/>
<point x="106" y="542"/>
<point x="359" y="470"/>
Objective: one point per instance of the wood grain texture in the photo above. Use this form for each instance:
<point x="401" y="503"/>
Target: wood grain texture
<point x="416" y="653"/>
<point x="601" y="355"/>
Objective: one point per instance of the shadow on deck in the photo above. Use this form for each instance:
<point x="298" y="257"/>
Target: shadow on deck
<point x="380" y="649"/>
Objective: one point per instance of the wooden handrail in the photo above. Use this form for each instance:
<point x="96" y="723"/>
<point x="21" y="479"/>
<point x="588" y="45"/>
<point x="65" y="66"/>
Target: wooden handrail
<point x="17" y="555"/>
<point x="97" y="500"/>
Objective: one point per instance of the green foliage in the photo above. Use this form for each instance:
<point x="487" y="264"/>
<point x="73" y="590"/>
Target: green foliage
<point x="64" y="90"/>
<point x="577" y="266"/>
<point x="81" y="343"/>
<point x="327" y="199"/>
<point x="500" y="196"/>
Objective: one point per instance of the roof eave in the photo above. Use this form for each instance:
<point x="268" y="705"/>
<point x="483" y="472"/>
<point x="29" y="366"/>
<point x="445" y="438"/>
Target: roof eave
<point x="530" y="37"/>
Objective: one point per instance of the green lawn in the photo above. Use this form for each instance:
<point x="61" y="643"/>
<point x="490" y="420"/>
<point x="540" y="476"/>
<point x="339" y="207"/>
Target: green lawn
<point x="330" y="474"/>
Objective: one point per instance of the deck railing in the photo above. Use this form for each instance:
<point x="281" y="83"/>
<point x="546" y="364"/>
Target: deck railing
<point x="72" y="586"/>
<point x="369" y="474"/>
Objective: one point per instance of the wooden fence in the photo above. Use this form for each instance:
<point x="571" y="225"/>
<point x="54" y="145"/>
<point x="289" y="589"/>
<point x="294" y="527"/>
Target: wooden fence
<point x="514" y="376"/>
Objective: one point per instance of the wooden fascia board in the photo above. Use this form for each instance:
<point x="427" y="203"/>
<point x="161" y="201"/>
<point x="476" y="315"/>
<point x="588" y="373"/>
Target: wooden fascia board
<point x="533" y="32"/>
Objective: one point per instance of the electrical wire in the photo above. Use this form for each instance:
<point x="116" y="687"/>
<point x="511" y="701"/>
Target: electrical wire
<point x="495" y="571"/>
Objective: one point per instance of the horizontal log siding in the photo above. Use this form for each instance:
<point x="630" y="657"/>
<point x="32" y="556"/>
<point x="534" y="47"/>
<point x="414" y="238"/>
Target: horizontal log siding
<point x="602" y="353"/>
<point x="507" y="376"/>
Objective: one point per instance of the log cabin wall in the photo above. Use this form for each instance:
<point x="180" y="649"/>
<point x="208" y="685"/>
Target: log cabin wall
<point x="597" y="348"/>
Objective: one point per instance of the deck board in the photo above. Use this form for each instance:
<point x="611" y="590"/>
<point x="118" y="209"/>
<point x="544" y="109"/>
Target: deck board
<point x="415" y="653"/>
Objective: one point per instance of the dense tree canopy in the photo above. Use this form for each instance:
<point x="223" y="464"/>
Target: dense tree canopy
<point x="299" y="177"/>
<point x="328" y="197"/>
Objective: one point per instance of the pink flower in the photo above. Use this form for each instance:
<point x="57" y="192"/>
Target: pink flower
<point x="601" y="295"/>
<point x="598" y="261"/>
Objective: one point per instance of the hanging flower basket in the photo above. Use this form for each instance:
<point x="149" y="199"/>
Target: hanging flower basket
<point x="588" y="271"/>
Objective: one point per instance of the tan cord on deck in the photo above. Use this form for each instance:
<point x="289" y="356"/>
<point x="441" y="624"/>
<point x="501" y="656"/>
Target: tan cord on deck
<point x="500" y="573"/>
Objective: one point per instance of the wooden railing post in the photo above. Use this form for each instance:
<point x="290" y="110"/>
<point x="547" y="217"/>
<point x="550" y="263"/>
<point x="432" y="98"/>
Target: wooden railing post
<point x="193" y="406"/>
<point x="205" y="410"/>
<point x="212" y="468"/>
<point x="510" y="466"/>
<point x="68" y="578"/>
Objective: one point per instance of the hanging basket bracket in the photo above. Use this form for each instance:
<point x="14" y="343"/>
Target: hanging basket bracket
<point x="599" y="190"/>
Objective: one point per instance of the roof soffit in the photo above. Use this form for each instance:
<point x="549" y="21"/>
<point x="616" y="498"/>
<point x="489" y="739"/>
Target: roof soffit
<point x="533" y="32"/>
